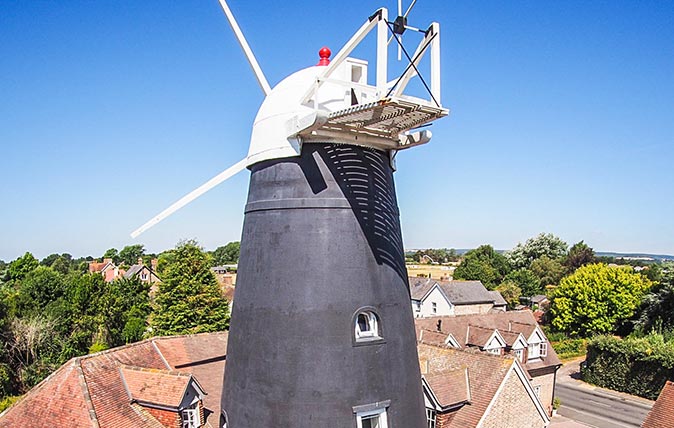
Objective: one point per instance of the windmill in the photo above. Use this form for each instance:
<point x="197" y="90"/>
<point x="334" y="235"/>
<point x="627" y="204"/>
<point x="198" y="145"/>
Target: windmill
<point x="322" y="334"/>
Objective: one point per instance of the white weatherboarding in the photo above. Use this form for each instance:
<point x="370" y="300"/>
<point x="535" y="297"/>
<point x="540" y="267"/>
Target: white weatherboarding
<point x="338" y="104"/>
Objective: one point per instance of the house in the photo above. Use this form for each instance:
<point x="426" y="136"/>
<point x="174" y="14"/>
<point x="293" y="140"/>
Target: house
<point x="177" y="382"/>
<point x="146" y="274"/>
<point x="468" y="389"/>
<point x="539" y="301"/>
<point x="438" y="298"/>
<point x="106" y="268"/>
<point x="162" y="382"/>
<point x="661" y="415"/>
<point x="514" y="333"/>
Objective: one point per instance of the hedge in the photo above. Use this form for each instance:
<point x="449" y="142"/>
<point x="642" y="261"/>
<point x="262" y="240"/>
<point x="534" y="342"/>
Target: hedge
<point x="638" y="366"/>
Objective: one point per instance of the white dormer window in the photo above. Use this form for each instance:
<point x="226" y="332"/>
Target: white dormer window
<point x="367" y="326"/>
<point x="534" y="351"/>
<point x="495" y="351"/>
<point x="520" y="355"/>
<point x="191" y="417"/>
<point x="543" y="349"/>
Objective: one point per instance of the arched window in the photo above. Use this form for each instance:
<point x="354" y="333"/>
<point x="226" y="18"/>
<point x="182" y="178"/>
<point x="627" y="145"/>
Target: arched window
<point x="367" y="325"/>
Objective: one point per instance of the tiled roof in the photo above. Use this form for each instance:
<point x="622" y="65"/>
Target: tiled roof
<point x="89" y="391"/>
<point x="463" y="329"/>
<point x="498" y="298"/>
<point x="450" y="387"/>
<point x="163" y="387"/>
<point x="458" y="292"/>
<point x="662" y="412"/>
<point x="485" y="375"/>
<point x="478" y="336"/>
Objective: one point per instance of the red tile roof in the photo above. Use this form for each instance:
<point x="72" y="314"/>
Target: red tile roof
<point x="662" y="413"/>
<point x="463" y="328"/>
<point x="89" y="391"/>
<point x="450" y="387"/>
<point x="163" y="387"/>
<point x="485" y="373"/>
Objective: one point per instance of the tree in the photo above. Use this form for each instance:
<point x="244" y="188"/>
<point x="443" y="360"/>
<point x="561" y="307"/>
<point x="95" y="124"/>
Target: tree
<point x="510" y="292"/>
<point x="548" y="271"/>
<point x="580" y="254"/>
<point x="131" y="253"/>
<point x="125" y="307"/>
<point x="483" y="264"/>
<point x="545" y="244"/>
<point x="111" y="253"/>
<point x="596" y="299"/>
<point x="657" y="308"/>
<point x="19" y="268"/>
<point x="227" y="255"/>
<point x="526" y="281"/>
<point x="189" y="298"/>
<point x="40" y="288"/>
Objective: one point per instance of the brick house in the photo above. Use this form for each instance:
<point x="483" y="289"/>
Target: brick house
<point x="513" y="333"/>
<point x="107" y="268"/>
<point x="662" y="413"/>
<point x="170" y="382"/>
<point x="471" y="389"/>
<point x="438" y="298"/>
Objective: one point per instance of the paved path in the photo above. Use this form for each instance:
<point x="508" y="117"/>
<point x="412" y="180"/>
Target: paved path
<point x="597" y="407"/>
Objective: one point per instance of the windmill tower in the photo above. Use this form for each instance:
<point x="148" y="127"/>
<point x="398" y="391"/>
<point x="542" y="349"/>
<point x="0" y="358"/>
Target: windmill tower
<point x="322" y="334"/>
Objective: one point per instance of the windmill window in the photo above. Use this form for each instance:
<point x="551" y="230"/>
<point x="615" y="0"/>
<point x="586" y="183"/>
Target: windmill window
<point x="372" y="419"/>
<point x="367" y="327"/>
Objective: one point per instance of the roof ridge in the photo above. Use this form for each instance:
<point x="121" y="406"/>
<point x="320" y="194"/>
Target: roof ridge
<point x="153" y="370"/>
<point x="82" y="380"/>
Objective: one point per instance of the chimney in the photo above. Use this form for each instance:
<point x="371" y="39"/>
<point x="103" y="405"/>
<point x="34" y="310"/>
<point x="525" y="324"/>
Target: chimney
<point x="107" y="260"/>
<point x="140" y="261"/>
<point x="153" y="264"/>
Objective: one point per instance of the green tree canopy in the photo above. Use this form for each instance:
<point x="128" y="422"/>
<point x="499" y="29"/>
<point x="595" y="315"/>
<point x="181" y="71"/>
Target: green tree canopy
<point x="657" y="308"/>
<point x="483" y="264"/>
<point x="227" y="254"/>
<point x="580" y="254"/>
<point x="189" y="298"/>
<point x="19" y="268"/>
<point x="548" y="271"/>
<point x="596" y="299"/>
<point x="112" y="253"/>
<point x="528" y="283"/>
<point x="510" y="292"/>
<point x="131" y="253"/>
<point x="545" y="244"/>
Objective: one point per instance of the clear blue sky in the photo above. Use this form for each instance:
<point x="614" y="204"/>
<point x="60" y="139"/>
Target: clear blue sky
<point x="562" y="120"/>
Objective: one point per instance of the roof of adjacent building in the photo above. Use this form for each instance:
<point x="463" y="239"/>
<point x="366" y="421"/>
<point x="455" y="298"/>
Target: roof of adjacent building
<point x="451" y="387"/>
<point x="458" y="292"/>
<point x="660" y="415"/>
<point x="464" y="329"/>
<point x="91" y="391"/>
<point x="498" y="298"/>
<point x="154" y="386"/>
<point x="485" y="374"/>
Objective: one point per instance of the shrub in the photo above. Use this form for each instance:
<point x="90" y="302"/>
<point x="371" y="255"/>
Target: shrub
<point x="638" y="366"/>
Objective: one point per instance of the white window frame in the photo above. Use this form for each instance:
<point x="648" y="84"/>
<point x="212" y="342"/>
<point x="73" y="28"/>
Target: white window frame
<point x="494" y="351"/>
<point x="434" y="307"/>
<point x="379" y="413"/>
<point x="372" y="322"/>
<point x="543" y="349"/>
<point x="534" y="351"/>
<point x="537" y="391"/>
<point x="519" y="353"/>
<point x="431" y="418"/>
<point x="190" y="417"/>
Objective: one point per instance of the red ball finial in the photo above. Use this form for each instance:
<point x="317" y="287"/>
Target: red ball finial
<point x="324" y="53"/>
